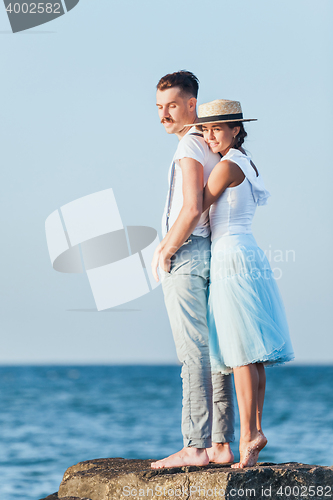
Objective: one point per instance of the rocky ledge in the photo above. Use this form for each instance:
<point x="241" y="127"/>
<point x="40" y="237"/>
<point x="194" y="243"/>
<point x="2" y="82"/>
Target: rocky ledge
<point x="118" y="479"/>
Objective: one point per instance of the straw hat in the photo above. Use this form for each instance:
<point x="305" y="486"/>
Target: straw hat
<point x="221" y="110"/>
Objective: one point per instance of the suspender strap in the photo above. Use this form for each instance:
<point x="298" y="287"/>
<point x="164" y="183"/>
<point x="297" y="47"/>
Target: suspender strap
<point x="169" y="197"/>
<point x="172" y="175"/>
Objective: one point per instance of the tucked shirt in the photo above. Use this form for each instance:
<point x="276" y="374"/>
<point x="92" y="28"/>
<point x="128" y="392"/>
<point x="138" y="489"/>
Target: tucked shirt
<point x="233" y="211"/>
<point x="189" y="146"/>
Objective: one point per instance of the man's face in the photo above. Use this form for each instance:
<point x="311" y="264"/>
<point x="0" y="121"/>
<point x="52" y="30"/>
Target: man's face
<point x="174" y="109"/>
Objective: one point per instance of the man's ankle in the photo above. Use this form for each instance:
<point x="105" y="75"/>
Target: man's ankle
<point x="194" y="450"/>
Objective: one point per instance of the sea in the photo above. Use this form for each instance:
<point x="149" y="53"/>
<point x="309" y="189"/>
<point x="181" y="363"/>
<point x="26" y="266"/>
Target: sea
<point x="52" y="417"/>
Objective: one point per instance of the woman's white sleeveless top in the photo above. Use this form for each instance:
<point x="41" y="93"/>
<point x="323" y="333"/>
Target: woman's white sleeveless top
<point x="233" y="211"/>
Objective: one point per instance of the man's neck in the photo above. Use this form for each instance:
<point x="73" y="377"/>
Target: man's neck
<point x="184" y="130"/>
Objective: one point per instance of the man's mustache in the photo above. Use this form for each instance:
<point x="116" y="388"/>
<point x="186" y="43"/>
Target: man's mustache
<point x="168" y="120"/>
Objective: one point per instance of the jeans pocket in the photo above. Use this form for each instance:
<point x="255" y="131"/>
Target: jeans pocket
<point x="163" y="273"/>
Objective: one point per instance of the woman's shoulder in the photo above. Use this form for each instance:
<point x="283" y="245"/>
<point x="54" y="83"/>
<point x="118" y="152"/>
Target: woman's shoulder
<point x="234" y="159"/>
<point x="241" y="159"/>
<point x="234" y="154"/>
<point x="260" y="193"/>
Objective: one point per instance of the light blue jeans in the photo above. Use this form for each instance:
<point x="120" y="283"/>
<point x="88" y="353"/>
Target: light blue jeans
<point x="208" y="410"/>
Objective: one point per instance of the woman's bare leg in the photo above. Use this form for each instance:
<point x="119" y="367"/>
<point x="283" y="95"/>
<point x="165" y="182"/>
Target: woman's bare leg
<point x="250" y="405"/>
<point x="261" y="393"/>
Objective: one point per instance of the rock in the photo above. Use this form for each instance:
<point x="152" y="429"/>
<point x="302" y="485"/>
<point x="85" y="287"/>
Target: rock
<point x="118" y="479"/>
<point x="55" y="497"/>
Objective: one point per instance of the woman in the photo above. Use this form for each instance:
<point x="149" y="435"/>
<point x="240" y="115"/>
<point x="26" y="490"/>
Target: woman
<point x="248" y="327"/>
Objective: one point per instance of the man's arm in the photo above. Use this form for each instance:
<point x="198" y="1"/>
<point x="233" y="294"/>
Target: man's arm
<point x="188" y="217"/>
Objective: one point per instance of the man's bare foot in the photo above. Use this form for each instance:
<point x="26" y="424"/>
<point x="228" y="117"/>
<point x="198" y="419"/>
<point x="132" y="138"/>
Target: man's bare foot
<point x="220" y="453"/>
<point x="249" y="451"/>
<point x="186" y="456"/>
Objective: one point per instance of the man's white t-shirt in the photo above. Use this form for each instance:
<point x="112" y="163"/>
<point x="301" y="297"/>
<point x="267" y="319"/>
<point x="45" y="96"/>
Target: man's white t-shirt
<point x="190" y="146"/>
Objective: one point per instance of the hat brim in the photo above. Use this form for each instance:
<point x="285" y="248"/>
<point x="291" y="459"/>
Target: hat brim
<point x="209" y="120"/>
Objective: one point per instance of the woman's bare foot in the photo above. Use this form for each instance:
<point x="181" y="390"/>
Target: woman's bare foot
<point x="186" y="456"/>
<point x="249" y="451"/>
<point x="220" y="453"/>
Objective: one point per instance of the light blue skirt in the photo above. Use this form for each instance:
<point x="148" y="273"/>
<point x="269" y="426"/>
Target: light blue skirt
<point x="246" y="317"/>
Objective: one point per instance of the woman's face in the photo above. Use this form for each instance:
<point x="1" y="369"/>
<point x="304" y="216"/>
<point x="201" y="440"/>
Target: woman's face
<point x="219" y="136"/>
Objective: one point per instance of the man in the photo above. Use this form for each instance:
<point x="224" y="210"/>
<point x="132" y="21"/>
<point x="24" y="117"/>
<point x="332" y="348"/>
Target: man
<point x="183" y="257"/>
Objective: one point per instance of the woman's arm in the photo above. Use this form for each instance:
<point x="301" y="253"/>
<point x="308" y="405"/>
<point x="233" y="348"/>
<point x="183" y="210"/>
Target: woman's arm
<point x="224" y="174"/>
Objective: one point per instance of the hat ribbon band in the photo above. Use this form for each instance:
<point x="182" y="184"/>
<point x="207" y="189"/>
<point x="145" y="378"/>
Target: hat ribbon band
<point x="220" y="118"/>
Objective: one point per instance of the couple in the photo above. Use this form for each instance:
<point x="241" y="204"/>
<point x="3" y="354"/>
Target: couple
<point x="240" y="325"/>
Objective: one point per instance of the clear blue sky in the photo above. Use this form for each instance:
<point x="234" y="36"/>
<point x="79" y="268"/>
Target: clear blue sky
<point x="78" y="115"/>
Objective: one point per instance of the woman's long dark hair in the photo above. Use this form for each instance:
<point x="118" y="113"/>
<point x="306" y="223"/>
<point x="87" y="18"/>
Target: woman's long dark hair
<point x="241" y="134"/>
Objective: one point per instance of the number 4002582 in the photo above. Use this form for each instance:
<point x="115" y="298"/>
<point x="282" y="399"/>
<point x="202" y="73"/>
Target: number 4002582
<point x="34" y="8"/>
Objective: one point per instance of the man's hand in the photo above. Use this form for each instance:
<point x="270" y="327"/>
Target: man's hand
<point x="159" y="260"/>
<point x="155" y="262"/>
<point x="165" y="264"/>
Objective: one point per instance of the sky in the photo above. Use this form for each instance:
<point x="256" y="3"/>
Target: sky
<point x="78" y="116"/>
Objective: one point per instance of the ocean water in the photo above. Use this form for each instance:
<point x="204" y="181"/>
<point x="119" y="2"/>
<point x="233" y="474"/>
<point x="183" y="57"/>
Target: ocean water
<point x="54" y="417"/>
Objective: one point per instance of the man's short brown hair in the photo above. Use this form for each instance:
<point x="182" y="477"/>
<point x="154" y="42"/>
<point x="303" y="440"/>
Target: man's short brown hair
<point x="185" y="80"/>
